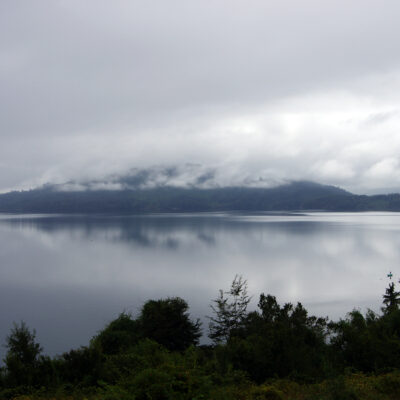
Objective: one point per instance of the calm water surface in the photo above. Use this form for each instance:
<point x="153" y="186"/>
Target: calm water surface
<point x="67" y="276"/>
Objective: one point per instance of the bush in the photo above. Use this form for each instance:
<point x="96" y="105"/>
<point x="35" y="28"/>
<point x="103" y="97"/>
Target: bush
<point x="82" y="366"/>
<point x="167" y="322"/>
<point x="152" y="384"/>
<point x="265" y="392"/>
<point x="389" y="384"/>
<point x="118" y="335"/>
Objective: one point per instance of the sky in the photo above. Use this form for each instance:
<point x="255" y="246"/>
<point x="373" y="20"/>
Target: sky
<point x="251" y="92"/>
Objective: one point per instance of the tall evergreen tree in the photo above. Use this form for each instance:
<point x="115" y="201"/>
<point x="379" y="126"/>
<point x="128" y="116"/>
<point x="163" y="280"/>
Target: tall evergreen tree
<point x="230" y="310"/>
<point x="391" y="299"/>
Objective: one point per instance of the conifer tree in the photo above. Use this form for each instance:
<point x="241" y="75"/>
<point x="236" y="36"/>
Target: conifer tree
<point x="230" y="309"/>
<point x="391" y="299"/>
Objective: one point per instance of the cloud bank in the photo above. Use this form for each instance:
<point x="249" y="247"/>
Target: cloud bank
<point x="249" y="91"/>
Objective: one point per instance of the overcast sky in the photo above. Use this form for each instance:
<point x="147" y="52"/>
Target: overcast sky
<point x="254" y="90"/>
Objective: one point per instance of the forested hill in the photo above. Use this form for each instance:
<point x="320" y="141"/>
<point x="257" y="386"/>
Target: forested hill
<point x="289" y="197"/>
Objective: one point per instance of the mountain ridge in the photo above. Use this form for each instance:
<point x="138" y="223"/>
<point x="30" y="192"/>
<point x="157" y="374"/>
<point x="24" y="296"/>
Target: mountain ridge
<point x="293" y="196"/>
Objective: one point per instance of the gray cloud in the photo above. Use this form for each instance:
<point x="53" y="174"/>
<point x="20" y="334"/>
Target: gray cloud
<point x="254" y="90"/>
<point x="380" y="118"/>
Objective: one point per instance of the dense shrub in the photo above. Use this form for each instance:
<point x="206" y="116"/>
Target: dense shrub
<point x="118" y="335"/>
<point x="167" y="322"/>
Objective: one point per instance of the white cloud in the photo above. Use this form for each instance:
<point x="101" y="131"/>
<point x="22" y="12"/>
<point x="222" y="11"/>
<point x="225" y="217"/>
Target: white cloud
<point x="259" y="92"/>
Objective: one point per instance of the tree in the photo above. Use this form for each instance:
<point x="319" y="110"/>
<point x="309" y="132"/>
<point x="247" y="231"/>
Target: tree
<point x="22" y="358"/>
<point x="391" y="299"/>
<point x="167" y="322"/>
<point x="83" y="365"/>
<point x="120" y="334"/>
<point x="230" y="309"/>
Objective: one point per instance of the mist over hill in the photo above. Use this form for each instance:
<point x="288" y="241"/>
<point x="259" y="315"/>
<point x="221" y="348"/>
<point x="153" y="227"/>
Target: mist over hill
<point x="133" y="195"/>
<point x="187" y="175"/>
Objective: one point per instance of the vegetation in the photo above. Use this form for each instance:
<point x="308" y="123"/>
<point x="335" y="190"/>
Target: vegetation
<point x="230" y="311"/>
<point x="294" y="196"/>
<point x="275" y="352"/>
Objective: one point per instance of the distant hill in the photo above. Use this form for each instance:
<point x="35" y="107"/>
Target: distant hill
<point x="289" y="197"/>
<point x="294" y="196"/>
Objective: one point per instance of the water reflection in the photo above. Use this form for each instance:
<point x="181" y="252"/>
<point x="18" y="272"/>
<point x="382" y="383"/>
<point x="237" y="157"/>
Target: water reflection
<point x="68" y="275"/>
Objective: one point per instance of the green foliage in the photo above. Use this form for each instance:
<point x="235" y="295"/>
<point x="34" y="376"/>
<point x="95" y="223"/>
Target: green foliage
<point x="391" y="299"/>
<point x="230" y="310"/>
<point x="279" y="341"/>
<point x="118" y="335"/>
<point x="82" y="366"/>
<point x="23" y="356"/>
<point x="115" y="392"/>
<point x="367" y="343"/>
<point x="265" y="392"/>
<point x="167" y="322"/>
<point x="147" y="366"/>
<point x="338" y="389"/>
<point x="277" y="352"/>
<point x="153" y="384"/>
<point x="388" y="384"/>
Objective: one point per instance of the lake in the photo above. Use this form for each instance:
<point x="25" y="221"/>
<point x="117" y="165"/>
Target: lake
<point x="67" y="276"/>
